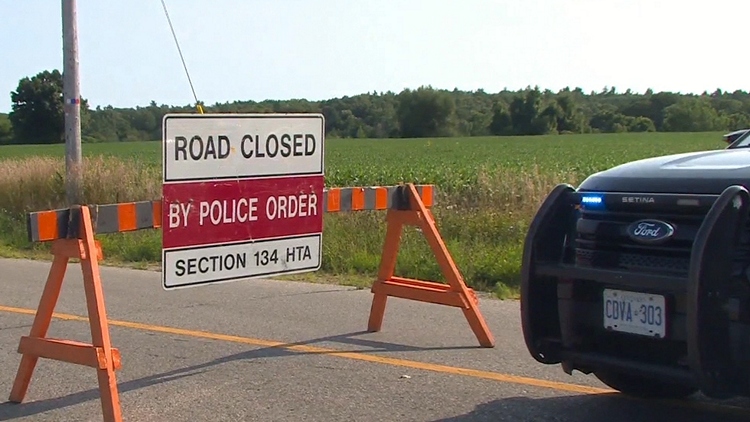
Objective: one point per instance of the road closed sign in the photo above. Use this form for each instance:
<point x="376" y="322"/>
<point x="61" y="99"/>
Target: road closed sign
<point x="241" y="196"/>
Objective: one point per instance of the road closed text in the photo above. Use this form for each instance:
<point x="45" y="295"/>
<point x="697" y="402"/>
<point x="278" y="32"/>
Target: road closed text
<point x="250" y="259"/>
<point x="230" y="146"/>
<point x="219" y="147"/>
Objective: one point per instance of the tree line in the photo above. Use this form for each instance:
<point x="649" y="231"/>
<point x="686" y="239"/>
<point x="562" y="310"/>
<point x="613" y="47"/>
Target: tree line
<point x="37" y="114"/>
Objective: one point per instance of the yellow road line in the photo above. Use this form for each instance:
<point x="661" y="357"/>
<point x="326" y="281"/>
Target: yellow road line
<point x="319" y="350"/>
<point x="363" y="356"/>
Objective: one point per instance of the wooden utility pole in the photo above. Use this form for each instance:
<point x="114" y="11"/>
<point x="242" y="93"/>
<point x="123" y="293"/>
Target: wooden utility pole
<point x="72" y="104"/>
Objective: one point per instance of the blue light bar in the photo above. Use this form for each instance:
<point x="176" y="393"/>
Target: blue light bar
<point x="592" y="200"/>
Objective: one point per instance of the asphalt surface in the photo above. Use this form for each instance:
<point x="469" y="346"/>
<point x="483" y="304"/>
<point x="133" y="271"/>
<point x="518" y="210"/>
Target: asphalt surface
<point x="286" y="351"/>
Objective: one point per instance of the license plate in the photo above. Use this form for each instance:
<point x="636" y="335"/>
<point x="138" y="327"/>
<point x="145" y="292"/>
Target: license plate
<point x="635" y="313"/>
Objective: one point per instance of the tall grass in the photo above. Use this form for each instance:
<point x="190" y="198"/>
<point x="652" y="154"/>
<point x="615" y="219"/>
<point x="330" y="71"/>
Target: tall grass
<point x="38" y="183"/>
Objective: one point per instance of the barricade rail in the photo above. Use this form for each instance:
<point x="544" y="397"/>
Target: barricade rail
<point x="44" y="226"/>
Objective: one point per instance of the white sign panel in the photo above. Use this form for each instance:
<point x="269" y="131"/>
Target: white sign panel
<point x="221" y="146"/>
<point x="214" y="264"/>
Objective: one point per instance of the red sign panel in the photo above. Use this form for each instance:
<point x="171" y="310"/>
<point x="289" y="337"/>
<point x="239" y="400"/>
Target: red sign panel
<point x="204" y="213"/>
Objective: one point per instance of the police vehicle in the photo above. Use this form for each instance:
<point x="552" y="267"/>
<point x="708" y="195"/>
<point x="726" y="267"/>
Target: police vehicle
<point x="640" y="275"/>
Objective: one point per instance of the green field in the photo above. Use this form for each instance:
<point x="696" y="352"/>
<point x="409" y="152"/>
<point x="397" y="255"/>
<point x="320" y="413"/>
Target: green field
<point x="451" y="163"/>
<point x="487" y="191"/>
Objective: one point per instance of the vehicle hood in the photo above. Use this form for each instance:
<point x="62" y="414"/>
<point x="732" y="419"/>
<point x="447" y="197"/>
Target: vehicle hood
<point x="705" y="172"/>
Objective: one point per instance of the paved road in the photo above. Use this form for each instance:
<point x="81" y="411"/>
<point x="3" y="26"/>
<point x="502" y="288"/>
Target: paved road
<point x="271" y="351"/>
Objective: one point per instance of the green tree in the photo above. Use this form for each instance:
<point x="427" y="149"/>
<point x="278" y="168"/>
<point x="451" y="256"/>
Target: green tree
<point x="501" y="124"/>
<point x="693" y="115"/>
<point x="659" y="103"/>
<point x="611" y="121"/>
<point x="412" y="113"/>
<point x="641" y="124"/>
<point x="426" y="112"/>
<point x="524" y="112"/>
<point x="534" y="113"/>
<point x="738" y="121"/>
<point x="37" y="105"/>
<point x="570" y="118"/>
<point x="6" y="130"/>
<point x="546" y="122"/>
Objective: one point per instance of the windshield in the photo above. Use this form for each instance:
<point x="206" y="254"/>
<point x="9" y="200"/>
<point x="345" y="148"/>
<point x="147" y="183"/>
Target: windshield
<point x="742" y="142"/>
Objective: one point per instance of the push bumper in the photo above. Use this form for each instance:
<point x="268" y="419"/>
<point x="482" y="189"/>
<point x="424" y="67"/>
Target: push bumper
<point x="547" y="276"/>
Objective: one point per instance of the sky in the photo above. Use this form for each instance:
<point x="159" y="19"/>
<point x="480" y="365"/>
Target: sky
<point x="320" y="49"/>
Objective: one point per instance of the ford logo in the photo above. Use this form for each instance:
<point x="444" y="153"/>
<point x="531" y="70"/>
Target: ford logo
<point x="650" y="231"/>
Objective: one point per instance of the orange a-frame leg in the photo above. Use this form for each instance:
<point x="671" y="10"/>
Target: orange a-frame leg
<point x="99" y="354"/>
<point x="455" y="293"/>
